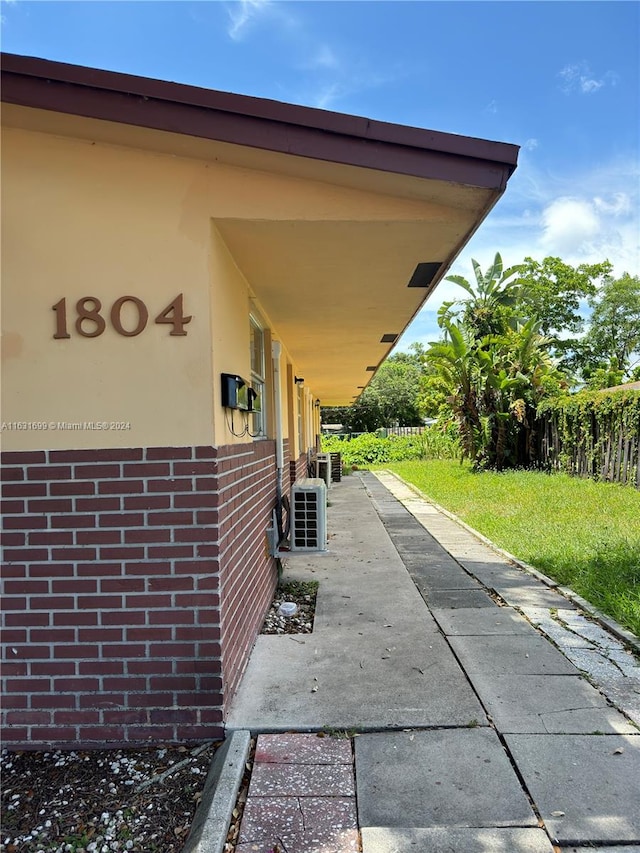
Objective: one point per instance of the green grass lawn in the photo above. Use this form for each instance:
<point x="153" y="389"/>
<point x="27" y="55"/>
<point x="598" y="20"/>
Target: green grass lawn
<point x="584" y="534"/>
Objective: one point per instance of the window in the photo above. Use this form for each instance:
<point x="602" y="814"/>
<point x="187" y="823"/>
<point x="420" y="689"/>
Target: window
<point x="258" y="425"/>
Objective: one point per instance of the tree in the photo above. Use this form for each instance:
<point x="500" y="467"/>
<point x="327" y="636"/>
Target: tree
<point x="614" y="331"/>
<point x="395" y="389"/>
<point x="557" y="293"/>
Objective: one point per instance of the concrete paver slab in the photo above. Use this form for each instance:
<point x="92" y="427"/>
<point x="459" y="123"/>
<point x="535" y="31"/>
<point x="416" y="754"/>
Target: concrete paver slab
<point x="377" y="839"/>
<point x="592" y="662"/>
<point x="586" y="788"/>
<point x="625" y="694"/>
<point x="382" y="678"/>
<point x="627" y="848"/>
<point x="455" y="598"/>
<point x="503" y="655"/>
<point x="549" y="704"/>
<point x="459" y="777"/>
<point x="530" y="594"/>
<point x="481" y="621"/>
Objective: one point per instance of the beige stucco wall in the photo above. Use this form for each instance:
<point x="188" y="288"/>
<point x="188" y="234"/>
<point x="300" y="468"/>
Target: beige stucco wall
<point x="82" y="218"/>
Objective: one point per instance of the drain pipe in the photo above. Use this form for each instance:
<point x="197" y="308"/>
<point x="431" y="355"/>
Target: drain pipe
<point x="276" y="349"/>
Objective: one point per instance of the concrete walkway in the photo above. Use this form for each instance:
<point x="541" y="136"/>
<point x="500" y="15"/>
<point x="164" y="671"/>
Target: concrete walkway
<point x="476" y="733"/>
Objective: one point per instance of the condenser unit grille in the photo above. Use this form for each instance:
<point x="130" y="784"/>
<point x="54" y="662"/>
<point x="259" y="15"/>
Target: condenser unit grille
<point x="309" y="515"/>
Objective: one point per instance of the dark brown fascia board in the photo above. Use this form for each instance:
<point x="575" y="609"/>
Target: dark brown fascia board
<point x="255" y="122"/>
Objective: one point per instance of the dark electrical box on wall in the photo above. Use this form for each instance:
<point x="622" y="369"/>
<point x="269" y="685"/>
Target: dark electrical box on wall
<point x="235" y="392"/>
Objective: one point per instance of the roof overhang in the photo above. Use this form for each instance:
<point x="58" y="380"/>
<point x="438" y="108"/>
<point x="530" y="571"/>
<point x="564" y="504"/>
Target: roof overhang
<point x="338" y="290"/>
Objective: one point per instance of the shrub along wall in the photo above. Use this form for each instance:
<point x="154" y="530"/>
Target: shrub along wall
<point x="592" y="434"/>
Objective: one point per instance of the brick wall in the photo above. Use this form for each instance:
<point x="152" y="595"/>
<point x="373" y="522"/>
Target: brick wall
<point x="298" y="468"/>
<point x="111" y="603"/>
<point x="248" y="576"/>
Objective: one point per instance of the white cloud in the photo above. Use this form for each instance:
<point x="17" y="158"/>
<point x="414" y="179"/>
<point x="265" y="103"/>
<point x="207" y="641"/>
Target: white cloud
<point x="530" y="144"/>
<point x="569" y="224"/>
<point x="242" y="13"/>
<point x="578" y="77"/>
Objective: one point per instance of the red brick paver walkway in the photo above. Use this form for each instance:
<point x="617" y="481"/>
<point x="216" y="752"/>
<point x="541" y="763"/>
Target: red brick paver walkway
<point x="301" y="797"/>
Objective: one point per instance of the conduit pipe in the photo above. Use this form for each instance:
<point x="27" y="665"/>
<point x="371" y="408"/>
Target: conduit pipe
<point x="276" y="350"/>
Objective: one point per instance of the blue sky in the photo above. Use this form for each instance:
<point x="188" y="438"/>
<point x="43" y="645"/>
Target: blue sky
<point x="560" y="79"/>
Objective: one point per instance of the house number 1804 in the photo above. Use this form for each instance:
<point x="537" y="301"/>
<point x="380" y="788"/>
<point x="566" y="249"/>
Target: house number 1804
<point x="90" y="323"/>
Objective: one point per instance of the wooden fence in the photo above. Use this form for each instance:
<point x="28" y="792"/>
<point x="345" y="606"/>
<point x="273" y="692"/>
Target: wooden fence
<point x="609" y="451"/>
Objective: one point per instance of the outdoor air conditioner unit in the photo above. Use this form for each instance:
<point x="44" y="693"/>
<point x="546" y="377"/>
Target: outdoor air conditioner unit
<point x="323" y="467"/>
<point x="308" y="513"/>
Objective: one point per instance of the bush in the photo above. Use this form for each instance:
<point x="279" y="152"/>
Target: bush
<point x="371" y="449"/>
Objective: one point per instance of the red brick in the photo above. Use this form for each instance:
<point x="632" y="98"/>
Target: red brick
<point x="26" y="619"/>
<point x="102" y="735"/>
<point x="8" y="506"/>
<point x="153" y="453"/>
<point x="49" y="472"/>
<point x="194" y="567"/>
<point x="15" y="701"/>
<point x="25" y="522"/>
<point x="126" y="684"/>
<point x="150" y="734"/>
<point x="205" y="452"/>
<point x="122" y="519"/>
<point x="195" y="599"/>
<point x="146" y="469"/>
<point x="51" y="635"/>
<point x="51" y="505"/>
<point x="148" y="633"/>
<point x="171" y="584"/>
<point x="12" y="474"/>
<point x="14" y="635"/>
<point x="97" y="504"/>
<point x="23" y="489"/>
<point x="100" y="667"/>
<point x="196" y="501"/>
<point x="76" y="651"/>
<point x="27" y="685"/>
<point x="183" y="650"/>
<point x="76" y="718"/>
<point x="86" y="487"/>
<point x="192" y="534"/>
<point x="149" y="667"/>
<point x="191" y="633"/>
<point x="148" y="601"/>
<point x="22" y="457"/>
<point x="208" y="616"/>
<point x="99" y="537"/>
<point x="205" y="698"/>
<point x="76" y="685"/>
<point x="76" y="585"/>
<point x="150" y="568"/>
<point x="56" y="701"/>
<point x="208" y="550"/>
<point x="17" y="736"/>
<point x="120" y="487"/>
<point x="97" y="472"/>
<point x="184" y="716"/>
<point x="207" y="517"/>
<point x="187" y="734"/>
<point x="75" y="617"/>
<point x="176" y="683"/>
<point x="53" y="667"/>
<point x="73" y="521"/>
<point x="206" y="484"/>
<point x="169" y="552"/>
<point x="194" y="469"/>
<point x="99" y="569"/>
<point x="29" y="718"/>
<point x="169" y="485"/>
<point x="115" y="454"/>
<point x="211" y="716"/>
<point x="12" y="603"/>
<point x="99" y="635"/>
<point x="150" y="700"/>
<point x="147" y="502"/>
<point x="170" y="519"/>
<point x="124" y="650"/>
<point x="99" y="602"/>
<point x="13" y="539"/>
<point x="208" y="582"/>
<point x="121" y="553"/>
<point x="51" y="537"/>
<point x="102" y="700"/>
<point x="125" y="718"/>
<point x="124" y="617"/>
<point x="208" y="650"/>
<point x="171" y="617"/>
<point x="157" y="535"/>
<point x="122" y="584"/>
<point x="64" y="554"/>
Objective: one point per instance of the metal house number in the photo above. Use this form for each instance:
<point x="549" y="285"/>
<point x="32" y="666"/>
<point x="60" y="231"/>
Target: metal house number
<point x="89" y="322"/>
